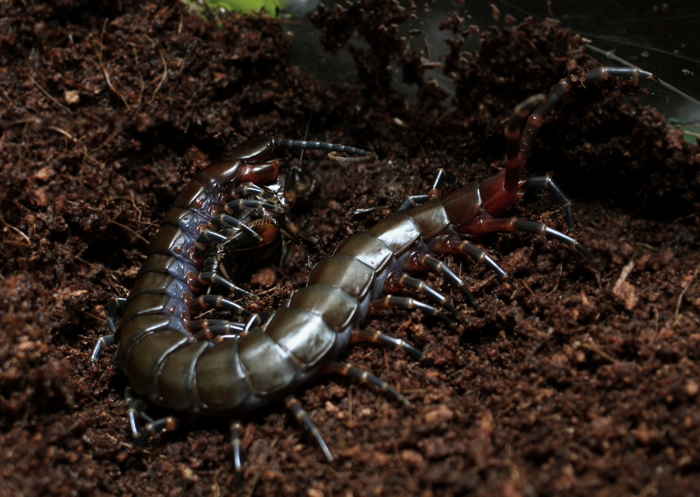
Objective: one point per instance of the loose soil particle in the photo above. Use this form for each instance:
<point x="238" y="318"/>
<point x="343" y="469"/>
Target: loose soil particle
<point x="569" y="381"/>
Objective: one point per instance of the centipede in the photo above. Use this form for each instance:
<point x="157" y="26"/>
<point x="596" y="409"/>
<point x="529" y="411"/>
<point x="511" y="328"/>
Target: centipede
<point x="208" y="367"/>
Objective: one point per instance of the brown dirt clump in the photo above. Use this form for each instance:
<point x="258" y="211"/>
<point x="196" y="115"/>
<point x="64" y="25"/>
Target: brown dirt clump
<point x="568" y="381"/>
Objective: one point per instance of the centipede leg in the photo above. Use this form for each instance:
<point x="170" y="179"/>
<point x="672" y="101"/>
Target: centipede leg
<point x="205" y="279"/>
<point x="118" y="304"/>
<point x="104" y="341"/>
<point x="258" y="205"/>
<point x="421" y="261"/>
<point x="217" y="302"/>
<point x="399" y="282"/>
<point x="379" y="338"/>
<point x="547" y="183"/>
<point x="303" y="418"/>
<point x="210" y="236"/>
<point x="515" y="224"/>
<point x="443" y="176"/>
<point x="135" y="411"/>
<point x="211" y="328"/>
<point x="237" y="455"/>
<point x="364" y="377"/>
<point x="247" y="189"/>
<point x="390" y="301"/>
<point x="455" y="245"/>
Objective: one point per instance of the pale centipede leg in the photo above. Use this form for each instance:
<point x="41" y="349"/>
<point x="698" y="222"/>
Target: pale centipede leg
<point x="209" y="236"/>
<point x="384" y="340"/>
<point x="104" y="341"/>
<point x="207" y="278"/>
<point x="117" y="305"/>
<point x="409" y="303"/>
<point x="217" y="302"/>
<point x="237" y="456"/>
<point x="135" y="411"/>
<point x="258" y="205"/>
<point x="211" y="328"/>
<point x="303" y="418"/>
<point x="345" y="369"/>
<point x="249" y="188"/>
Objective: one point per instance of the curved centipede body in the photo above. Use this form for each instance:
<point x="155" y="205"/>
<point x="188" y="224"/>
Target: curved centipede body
<point x="267" y="359"/>
<point x="181" y="263"/>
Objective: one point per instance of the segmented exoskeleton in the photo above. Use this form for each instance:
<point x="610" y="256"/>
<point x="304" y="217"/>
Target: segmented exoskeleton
<point x="183" y="261"/>
<point x="269" y="360"/>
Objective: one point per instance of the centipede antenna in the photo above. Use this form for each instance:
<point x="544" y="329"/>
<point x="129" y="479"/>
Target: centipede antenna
<point x="560" y="89"/>
<point x="316" y="145"/>
<point x="306" y="134"/>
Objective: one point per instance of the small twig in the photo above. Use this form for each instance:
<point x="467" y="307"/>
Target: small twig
<point x="623" y="276"/>
<point x="128" y="229"/>
<point x="98" y="53"/>
<point x="64" y="133"/>
<point x="165" y="75"/>
<point x="335" y="156"/>
<point x="51" y="97"/>
<point x="17" y="230"/>
<point x="600" y="352"/>
<point x="561" y="271"/>
<point x="685" y="289"/>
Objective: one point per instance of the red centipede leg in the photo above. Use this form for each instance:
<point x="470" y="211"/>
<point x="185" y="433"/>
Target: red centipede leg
<point x="418" y="261"/>
<point x="515" y="224"/>
<point x="397" y="282"/>
<point x="390" y="301"/>
<point x="379" y="338"/>
<point x="364" y="377"/>
<point x="303" y="418"/>
<point x="455" y="245"/>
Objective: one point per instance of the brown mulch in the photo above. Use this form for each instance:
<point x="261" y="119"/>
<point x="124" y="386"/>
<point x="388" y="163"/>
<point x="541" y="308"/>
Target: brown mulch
<point x="570" y="380"/>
